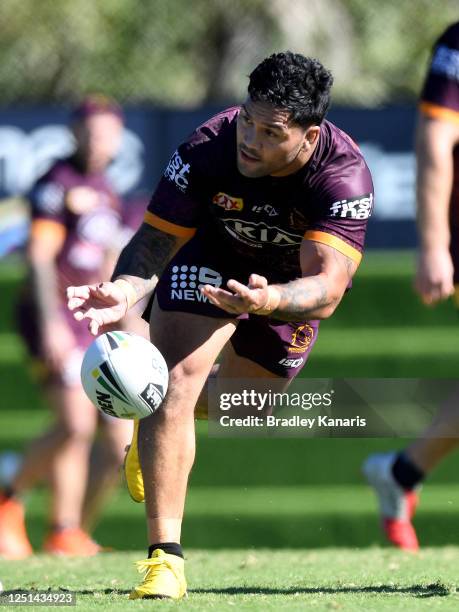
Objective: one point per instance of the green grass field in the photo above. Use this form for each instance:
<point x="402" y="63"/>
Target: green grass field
<point x="261" y="579"/>
<point x="283" y="523"/>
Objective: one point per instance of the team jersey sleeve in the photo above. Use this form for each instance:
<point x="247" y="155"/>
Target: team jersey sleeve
<point x="440" y="94"/>
<point x="177" y="204"/>
<point x="344" y="205"/>
<point x="47" y="202"/>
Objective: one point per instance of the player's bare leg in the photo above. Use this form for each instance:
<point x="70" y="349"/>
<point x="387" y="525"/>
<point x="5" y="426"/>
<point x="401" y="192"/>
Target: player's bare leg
<point x="37" y="459"/>
<point x="166" y="442"/>
<point x="190" y="344"/>
<point x="14" y="541"/>
<point x="77" y="419"/>
<point x="41" y="451"/>
<point x="441" y="437"/>
<point x="61" y="455"/>
<point x="396" y="477"/>
<point x="104" y="470"/>
<point x="233" y="366"/>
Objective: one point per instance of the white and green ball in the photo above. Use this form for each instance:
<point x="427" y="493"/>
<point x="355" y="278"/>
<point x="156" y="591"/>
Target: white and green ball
<point x="124" y="375"/>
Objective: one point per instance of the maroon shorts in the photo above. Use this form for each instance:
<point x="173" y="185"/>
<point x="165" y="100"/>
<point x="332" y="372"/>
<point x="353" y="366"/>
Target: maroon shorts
<point x="280" y="347"/>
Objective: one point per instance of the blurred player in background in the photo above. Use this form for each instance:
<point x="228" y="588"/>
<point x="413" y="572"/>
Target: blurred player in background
<point x="103" y="473"/>
<point x="75" y="238"/>
<point x="397" y="476"/>
<point x="254" y="231"/>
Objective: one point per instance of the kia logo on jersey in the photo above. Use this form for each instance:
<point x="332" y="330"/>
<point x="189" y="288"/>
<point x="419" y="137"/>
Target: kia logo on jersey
<point x="257" y="234"/>
<point x="228" y="202"/>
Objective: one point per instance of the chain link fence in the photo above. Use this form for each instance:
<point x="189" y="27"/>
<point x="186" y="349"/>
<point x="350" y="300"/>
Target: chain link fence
<point x="182" y="53"/>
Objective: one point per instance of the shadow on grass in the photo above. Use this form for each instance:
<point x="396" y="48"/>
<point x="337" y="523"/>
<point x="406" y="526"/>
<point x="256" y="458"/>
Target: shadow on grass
<point x="417" y="590"/>
<point x="63" y="591"/>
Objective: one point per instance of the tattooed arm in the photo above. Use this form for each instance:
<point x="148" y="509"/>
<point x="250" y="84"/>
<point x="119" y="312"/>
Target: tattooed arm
<point x="326" y="274"/>
<point x="140" y="264"/>
<point x="143" y="259"/>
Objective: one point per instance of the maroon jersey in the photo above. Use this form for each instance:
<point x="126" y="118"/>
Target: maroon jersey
<point x="264" y="220"/>
<point x="132" y="214"/>
<point x="440" y="100"/>
<point x="440" y="95"/>
<point x="86" y="210"/>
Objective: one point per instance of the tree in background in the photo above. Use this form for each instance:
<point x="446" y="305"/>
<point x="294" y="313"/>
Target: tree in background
<point x="183" y="53"/>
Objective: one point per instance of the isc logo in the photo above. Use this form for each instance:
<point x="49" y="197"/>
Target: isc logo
<point x="291" y="363"/>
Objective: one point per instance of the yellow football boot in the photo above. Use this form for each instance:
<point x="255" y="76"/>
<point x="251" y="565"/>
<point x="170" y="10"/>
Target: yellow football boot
<point x="132" y="471"/>
<point x="164" y="577"/>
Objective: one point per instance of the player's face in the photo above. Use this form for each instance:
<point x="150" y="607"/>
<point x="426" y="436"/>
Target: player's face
<point x="98" y="138"/>
<point x="268" y="143"/>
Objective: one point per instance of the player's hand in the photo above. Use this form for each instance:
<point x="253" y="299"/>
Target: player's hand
<point x="57" y="342"/>
<point x="240" y="298"/>
<point x="101" y="304"/>
<point x="434" y="276"/>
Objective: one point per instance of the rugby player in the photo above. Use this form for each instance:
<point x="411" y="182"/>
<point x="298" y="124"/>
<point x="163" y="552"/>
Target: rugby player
<point x="397" y="476"/>
<point x="252" y="235"/>
<point x="75" y="215"/>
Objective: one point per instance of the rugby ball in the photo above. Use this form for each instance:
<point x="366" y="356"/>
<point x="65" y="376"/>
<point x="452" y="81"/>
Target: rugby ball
<point x="124" y="375"/>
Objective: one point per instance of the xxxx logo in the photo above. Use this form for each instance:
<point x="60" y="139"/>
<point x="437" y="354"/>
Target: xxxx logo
<point x="228" y="202"/>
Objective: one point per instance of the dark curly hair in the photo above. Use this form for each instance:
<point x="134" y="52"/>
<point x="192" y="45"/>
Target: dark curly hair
<point x="295" y="83"/>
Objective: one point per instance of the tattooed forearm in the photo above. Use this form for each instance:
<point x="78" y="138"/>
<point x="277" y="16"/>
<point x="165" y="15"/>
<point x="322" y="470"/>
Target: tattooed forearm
<point x="346" y="264"/>
<point x="302" y="299"/>
<point x="327" y="273"/>
<point x="143" y="259"/>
